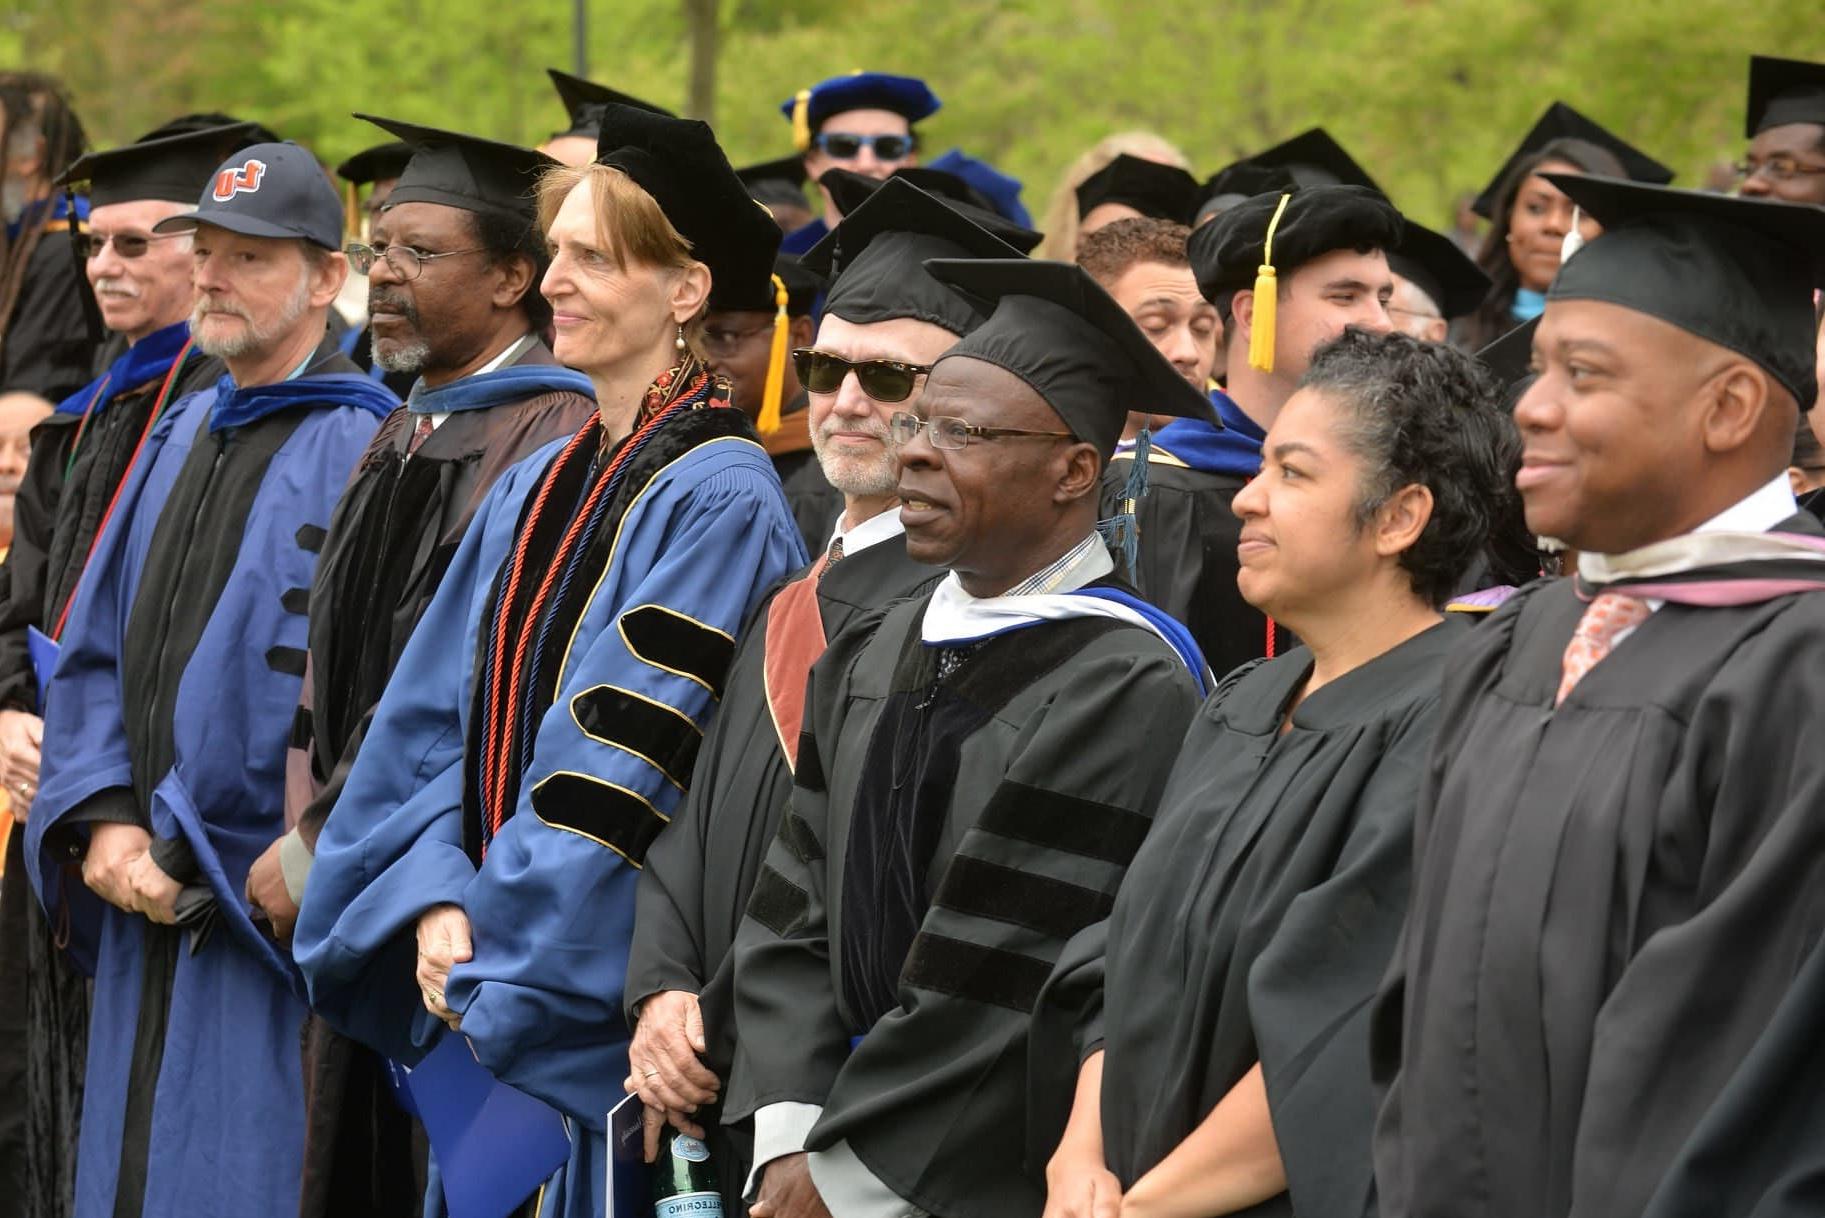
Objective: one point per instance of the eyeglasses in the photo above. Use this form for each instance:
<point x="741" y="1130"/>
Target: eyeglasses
<point x="1776" y="169"/>
<point x="948" y="433"/>
<point x="845" y="147"/>
<point x="718" y="341"/>
<point x="405" y="262"/>
<point x="126" y="245"/>
<point x="884" y="380"/>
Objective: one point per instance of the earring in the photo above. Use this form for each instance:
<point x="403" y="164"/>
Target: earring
<point x="680" y="340"/>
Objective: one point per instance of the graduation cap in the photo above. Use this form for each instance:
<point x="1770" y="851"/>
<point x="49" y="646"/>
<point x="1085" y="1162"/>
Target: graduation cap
<point x="803" y="286"/>
<point x="380" y="163"/>
<point x="787" y="169"/>
<point x="1055" y="328"/>
<point x="203" y="120"/>
<point x="1232" y="184"/>
<point x="1733" y="271"/>
<point x="1248" y="244"/>
<point x="1783" y="91"/>
<point x="907" y="96"/>
<point x="1164" y="192"/>
<point x="465" y="171"/>
<point x="1510" y="357"/>
<point x="172" y="167"/>
<point x="850" y="190"/>
<point x="580" y="98"/>
<point x="1002" y="191"/>
<point x="875" y="258"/>
<point x="679" y="163"/>
<point x="1433" y="263"/>
<point x="1313" y="158"/>
<point x="1561" y="122"/>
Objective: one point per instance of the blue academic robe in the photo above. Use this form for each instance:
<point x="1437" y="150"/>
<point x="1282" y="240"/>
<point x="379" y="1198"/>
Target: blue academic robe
<point x="226" y="1120"/>
<point x="552" y="903"/>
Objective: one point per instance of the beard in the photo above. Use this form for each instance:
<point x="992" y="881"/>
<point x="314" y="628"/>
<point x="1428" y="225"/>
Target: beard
<point x="408" y="356"/>
<point x="868" y="477"/>
<point x="252" y="338"/>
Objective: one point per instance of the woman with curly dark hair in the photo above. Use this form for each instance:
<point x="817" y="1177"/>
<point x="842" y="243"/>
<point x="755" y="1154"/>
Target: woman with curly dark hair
<point x="1530" y="217"/>
<point x="45" y="343"/>
<point x="1228" y="991"/>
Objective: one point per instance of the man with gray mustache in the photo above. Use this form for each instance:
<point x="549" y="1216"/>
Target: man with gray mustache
<point x="885" y="322"/>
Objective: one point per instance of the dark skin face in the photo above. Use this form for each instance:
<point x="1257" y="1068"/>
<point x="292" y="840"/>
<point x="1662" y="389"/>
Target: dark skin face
<point x="459" y="308"/>
<point x="999" y="509"/>
<point x="1794" y="146"/>
<point x="738" y="343"/>
<point x="1636" y="431"/>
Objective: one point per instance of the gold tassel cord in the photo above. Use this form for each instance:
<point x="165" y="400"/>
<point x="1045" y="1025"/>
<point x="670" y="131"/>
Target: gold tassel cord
<point x="801" y="120"/>
<point x="770" y="403"/>
<point x="1267" y="294"/>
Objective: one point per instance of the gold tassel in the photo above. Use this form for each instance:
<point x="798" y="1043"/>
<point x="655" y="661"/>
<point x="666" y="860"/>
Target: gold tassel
<point x="1267" y="294"/>
<point x="768" y="423"/>
<point x="351" y="210"/>
<point x="801" y="120"/>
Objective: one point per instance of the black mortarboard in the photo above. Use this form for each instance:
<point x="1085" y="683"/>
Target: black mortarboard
<point x="907" y="96"/>
<point x="1227" y="253"/>
<point x="1315" y="159"/>
<point x="1561" y="122"/>
<point x="1233" y="184"/>
<point x="581" y="97"/>
<point x="1164" y="192"/>
<point x="171" y="167"/>
<point x="376" y="164"/>
<point x="1783" y="91"/>
<point x="1736" y="272"/>
<point x="1510" y="357"/>
<point x="679" y="163"/>
<point x="875" y="258"/>
<point x="204" y="120"/>
<point x="945" y="185"/>
<point x="803" y="286"/>
<point x="788" y="169"/>
<point x="465" y="171"/>
<point x="1434" y="263"/>
<point x="850" y="190"/>
<point x="1055" y="328"/>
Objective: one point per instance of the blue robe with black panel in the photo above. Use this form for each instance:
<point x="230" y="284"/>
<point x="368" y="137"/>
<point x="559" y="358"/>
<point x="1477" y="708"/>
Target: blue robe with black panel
<point x="171" y="708"/>
<point x="697" y="534"/>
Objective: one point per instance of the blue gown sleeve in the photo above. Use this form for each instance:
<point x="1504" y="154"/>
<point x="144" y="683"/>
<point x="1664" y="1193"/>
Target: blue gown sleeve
<point x="552" y="908"/>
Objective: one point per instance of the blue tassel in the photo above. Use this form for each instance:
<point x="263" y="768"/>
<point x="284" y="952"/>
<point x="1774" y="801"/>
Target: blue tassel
<point x="1121" y="532"/>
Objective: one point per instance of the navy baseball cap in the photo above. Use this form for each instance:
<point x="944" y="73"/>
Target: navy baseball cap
<point x="268" y="190"/>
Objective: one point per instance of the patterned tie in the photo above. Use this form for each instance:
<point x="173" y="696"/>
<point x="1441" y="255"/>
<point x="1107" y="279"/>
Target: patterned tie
<point x="1609" y="615"/>
<point x="421" y="432"/>
<point x="832" y="557"/>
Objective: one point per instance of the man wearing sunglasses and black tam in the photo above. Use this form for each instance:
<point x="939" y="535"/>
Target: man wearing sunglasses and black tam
<point x="862" y="122"/>
<point x="884" y="324"/>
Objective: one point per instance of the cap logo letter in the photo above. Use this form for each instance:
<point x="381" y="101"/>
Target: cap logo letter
<point x="231" y="182"/>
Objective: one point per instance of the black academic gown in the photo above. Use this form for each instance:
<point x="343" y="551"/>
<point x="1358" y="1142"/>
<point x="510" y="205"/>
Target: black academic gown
<point x="1186" y="559"/>
<point x="390" y="539"/>
<point x="55" y="519"/>
<point x="48" y="348"/>
<point x="945" y="838"/>
<point x="1254" y="926"/>
<point x="1611" y="900"/>
<point x="700" y="871"/>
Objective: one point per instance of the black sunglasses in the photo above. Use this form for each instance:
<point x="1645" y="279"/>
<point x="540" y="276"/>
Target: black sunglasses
<point x="845" y="147"/>
<point x="884" y="380"/>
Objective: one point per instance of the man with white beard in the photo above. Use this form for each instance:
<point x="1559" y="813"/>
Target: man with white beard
<point x="167" y="720"/>
<point x="79" y="457"/>
<point x="885" y="322"/>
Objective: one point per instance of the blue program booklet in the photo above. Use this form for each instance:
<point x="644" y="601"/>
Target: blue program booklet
<point x="628" y="1191"/>
<point x="43" y="649"/>
<point x="495" y="1145"/>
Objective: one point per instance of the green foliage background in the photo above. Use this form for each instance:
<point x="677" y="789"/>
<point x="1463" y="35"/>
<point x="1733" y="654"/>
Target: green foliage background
<point x="1429" y="94"/>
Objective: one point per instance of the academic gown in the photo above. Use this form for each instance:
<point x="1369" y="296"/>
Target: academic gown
<point x="1254" y="925"/>
<point x="699" y="873"/>
<point x="392" y="534"/>
<point x="170" y="708"/>
<point x="47" y="348"/>
<point x="944" y="838"/>
<point x="815" y="503"/>
<point x="1188" y="529"/>
<point x="56" y="514"/>
<point x="694" y="535"/>
<point x="1611" y="900"/>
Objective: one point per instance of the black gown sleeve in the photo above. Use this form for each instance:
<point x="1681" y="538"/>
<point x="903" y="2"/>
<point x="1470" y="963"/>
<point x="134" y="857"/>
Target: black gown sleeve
<point x="48" y="349"/>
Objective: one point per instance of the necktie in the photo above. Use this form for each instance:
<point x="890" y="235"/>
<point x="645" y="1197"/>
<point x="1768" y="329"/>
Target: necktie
<point x="1609" y="615"/>
<point x="832" y="557"/>
<point x="421" y="431"/>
